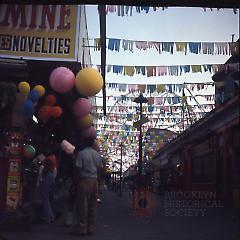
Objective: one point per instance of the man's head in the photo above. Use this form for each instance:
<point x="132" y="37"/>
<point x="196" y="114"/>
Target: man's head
<point x="88" y="142"/>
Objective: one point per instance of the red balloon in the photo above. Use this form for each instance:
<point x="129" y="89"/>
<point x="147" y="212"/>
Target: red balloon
<point x="50" y="100"/>
<point x="56" y="111"/>
<point x="44" y="112"/>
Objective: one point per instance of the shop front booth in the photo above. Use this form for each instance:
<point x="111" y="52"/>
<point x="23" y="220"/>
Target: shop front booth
<point x="29" y="55"/>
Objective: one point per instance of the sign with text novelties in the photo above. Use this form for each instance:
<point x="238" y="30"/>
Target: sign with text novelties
<point x="47" y="32"/>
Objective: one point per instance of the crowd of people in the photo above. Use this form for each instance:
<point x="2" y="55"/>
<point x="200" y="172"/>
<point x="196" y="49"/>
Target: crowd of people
<point x="86" y="177"/>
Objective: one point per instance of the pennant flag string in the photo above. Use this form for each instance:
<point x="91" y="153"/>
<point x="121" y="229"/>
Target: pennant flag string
<point x="212" y="48"/>
<point x="164" y="108"/>
<point x="174" y="70"/>
<point x="157" y="101"/>
<point x="159" y="89"/>
<point x="124" y="10"/>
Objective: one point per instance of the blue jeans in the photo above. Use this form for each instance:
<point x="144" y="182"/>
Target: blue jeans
<point x="46" y="189"/>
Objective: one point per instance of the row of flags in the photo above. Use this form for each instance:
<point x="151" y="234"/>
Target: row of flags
<point x="175" y="70"/>
<point x="159" y="88"/>
<point x="159" y="100"/>
<point x="134" y="139"/>
<point x="212" y="48"/>
<point x="126" y="130"/>
<point x="151" y="109"/>
<point x="123" y="10"/>
<point x="155" y="119"/>
<point x="132" y="116"/>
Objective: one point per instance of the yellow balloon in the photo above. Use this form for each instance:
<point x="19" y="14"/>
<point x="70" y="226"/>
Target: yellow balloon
<point x="40" y="89"/>
<point x="85" y="121"/>
<point x="88" y="82"/>
<point x="24" y="88"/>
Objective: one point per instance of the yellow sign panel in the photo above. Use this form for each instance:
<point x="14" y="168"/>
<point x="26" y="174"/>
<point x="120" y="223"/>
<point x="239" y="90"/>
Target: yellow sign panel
<point x="47" y="32"/>
<point x="12" y="201"/>
<point x="13" y="184"/>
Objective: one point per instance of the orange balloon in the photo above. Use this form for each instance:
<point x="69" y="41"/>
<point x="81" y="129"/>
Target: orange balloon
<point x="44" y="113"/>
<point x="56" y="111"/>
<point x="50" y="100"/>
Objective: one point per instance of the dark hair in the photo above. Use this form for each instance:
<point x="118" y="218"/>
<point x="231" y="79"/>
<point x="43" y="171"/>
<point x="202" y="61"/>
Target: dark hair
<point x="47" y="151"/>
<point x="88" y="142"/>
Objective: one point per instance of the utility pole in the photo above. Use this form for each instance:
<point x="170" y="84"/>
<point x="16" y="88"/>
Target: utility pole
<point x="140" y="99"/>
<point x="121" y="162"/>
<point x="183" y="110"/>
<point x="102" y="20"/>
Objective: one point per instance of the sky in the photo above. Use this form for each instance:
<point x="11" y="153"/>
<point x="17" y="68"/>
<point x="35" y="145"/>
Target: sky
<point x="174" y="24"/>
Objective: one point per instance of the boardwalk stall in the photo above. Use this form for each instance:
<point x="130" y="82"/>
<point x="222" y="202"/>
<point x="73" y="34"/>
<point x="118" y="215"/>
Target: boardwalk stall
<point x="35" y="40"/>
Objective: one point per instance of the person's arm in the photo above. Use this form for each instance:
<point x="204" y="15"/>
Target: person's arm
<point x="79" y="161"/>
<point x="77" y="167"/>
<point x="40" y="172"/>
<point x="55" y="173"/>
<point x="99" y="161"/>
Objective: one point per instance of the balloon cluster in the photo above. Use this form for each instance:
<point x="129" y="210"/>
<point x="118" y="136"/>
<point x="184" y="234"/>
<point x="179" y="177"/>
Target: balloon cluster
<point x="49" y="109"/>
<point x="82" y="109"/>
<point x="30" y="96"/>
<point x="88" y="82"/>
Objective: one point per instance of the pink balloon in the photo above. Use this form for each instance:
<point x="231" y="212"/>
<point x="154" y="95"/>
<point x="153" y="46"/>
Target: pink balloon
<point x="89" y="132"/>
<point x="81" y="107"/>
<point x="67" y="147"/>
<point x="62" y="79"/>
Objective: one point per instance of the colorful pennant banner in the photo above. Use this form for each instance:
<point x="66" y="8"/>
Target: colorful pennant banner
<point x="212" y="48"/>
<point x="157" y="88"/>
<point x="176" y="70"/>
<point x="123" y="10"/>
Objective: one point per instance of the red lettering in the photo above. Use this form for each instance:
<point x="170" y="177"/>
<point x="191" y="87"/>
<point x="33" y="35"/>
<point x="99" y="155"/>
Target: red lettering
<point x="63" y="12"/>
<point x="15" y="13"/>
<point x="46" y="12"/>
<point x="33" y="17"/>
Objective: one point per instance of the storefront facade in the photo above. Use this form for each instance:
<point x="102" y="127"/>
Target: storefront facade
<point x="34" y="40"/>
<point x="205" y="157"/>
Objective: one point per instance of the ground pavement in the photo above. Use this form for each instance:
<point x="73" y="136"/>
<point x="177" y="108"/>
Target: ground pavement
<point x="116" y="221"/>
